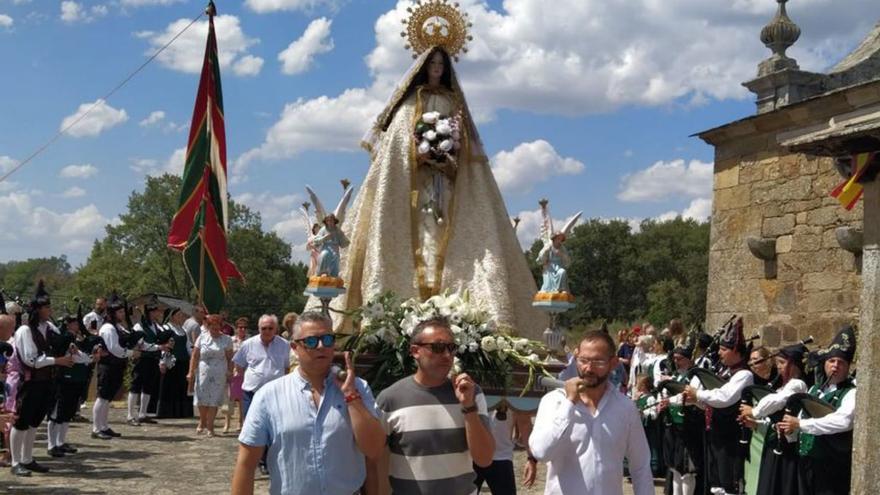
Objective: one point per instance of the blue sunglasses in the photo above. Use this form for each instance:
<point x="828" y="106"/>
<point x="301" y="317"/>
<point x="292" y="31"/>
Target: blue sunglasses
<point x="311" y="342"/>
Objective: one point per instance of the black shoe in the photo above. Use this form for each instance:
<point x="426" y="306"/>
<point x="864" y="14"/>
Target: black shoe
<point x="56" y="452"/>
<point x="148" y="420"/>
<point x="33" y="466"/>
<point x="134" y="422"/>
<point x="20" y="470"/>
<point x="101" y="435"/>
<point x="112" y="433"/>
<point x="68" y="449"/>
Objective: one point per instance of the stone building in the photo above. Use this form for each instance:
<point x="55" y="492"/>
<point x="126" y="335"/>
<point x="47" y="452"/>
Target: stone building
<point x="783" y="253"/>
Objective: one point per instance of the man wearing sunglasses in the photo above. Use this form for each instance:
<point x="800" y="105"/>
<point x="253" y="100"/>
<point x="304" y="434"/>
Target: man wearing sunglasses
<point x="437" y="427"/>
<point x="262" y="358"/>
<point x="316" y="428"/>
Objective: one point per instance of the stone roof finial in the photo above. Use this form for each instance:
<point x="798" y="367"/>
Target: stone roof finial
<point x="778" y="35"/>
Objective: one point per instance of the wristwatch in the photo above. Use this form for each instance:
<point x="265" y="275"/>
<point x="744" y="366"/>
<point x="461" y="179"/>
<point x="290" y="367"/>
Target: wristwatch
<point x="468" y="410"/>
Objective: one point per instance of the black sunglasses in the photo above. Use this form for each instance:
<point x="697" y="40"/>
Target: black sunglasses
<point x="311" y="342"/>
<point x="439" y="347"/>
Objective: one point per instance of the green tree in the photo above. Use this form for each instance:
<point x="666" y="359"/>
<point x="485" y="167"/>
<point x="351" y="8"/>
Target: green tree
<point x="19" y="278"/>
<point x="133" y="258"/>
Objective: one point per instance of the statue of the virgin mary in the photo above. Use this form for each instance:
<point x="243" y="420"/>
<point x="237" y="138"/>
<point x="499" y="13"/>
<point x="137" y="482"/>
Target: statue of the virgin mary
<point x="429" y="216"/>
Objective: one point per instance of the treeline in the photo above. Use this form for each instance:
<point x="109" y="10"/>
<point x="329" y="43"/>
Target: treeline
<point x="133" y="259"/>
<point x="654" y="273"/>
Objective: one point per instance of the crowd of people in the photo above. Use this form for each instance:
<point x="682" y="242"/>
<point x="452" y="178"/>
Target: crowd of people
<point x="710" y="414"/>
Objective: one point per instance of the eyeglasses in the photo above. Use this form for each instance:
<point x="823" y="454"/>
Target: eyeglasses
<point x="311" y="342"/>
<point x="595" y="363"/>
<point x="439" y="347"/>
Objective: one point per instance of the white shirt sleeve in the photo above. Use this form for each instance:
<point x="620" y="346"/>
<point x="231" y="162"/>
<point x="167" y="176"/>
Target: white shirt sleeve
<point x="108" y="333"/>
<point x="776" y="401"/>
<point x="729" y="393"/>
<point x="27" y="350"/>
<point x="638" y="455"/>
<point x="555" y="414"/>
<point x="839" y="421"/>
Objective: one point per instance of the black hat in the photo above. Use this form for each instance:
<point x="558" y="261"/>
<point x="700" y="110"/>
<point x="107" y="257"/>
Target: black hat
<point x="41" y="297"/>
<point x="152" y="304"/>
<point x="169" y="312"/>
<point x="843" y="346"/>
<point x="684" y="350"/>
<point x="114" y="303"/>
<point x="733" y="337"/>
<point x="795" y="353"/>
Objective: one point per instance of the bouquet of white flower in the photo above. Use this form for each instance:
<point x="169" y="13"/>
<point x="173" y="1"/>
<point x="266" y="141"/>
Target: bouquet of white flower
<point x="438" y="137"/>
<point x="485" y="352"/>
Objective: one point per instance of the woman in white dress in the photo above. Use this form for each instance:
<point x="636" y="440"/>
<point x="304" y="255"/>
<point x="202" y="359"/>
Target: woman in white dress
<point x="210" y="371"/>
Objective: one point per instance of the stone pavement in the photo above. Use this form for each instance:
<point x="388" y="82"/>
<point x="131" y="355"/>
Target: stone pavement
<point x="163" y="459"/>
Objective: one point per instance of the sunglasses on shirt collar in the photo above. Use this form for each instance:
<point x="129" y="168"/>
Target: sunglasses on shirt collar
<point x="311" y="342"/>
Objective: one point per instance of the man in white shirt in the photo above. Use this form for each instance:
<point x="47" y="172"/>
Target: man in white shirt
<point x="826" y="443"/>
<point x="111" y="368"/>
<point x="585" y="430"/>
<point x="193" y="325"/>
<point x="94" y="320"/>
<point x="262" y="358"/>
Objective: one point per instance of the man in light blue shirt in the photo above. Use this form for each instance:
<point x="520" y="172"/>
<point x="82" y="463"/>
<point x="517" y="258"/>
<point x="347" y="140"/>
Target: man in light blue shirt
<point x="262" y="358"/>
<point x="317" y="428"/>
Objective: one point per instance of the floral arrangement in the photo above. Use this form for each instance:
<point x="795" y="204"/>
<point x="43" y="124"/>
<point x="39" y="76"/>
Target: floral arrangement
<point x="438" y="137"/>
<point x="484" y="351"/>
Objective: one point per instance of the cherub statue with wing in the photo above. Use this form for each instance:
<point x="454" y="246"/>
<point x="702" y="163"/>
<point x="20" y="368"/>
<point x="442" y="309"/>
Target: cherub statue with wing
<point x="554" y="257"/>
<point x="330" y="238"/>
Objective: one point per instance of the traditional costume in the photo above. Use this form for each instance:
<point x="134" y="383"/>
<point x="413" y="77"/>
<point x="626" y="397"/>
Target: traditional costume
<point x="779" y="460"/>
<point x="145" y="372"/>
<point x="726" y="455"/>
<point x="825" y="443"/>
<point x="173" y="400"/>
<point x="35" y="392"/>
<point x="111" y="369"/>
<point x="683" y="434"/>
<point x="69" y="385"/>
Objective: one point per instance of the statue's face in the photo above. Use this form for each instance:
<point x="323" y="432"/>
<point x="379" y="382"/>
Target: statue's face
<point x="436" y="66"/>
<point x="330" y="222"/>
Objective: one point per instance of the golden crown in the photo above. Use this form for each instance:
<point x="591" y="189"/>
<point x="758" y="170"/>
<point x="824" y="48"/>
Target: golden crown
<point x="436" y="23"/>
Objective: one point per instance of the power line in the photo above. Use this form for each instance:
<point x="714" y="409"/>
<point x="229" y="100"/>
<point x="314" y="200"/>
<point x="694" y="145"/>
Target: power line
<point x="98" y="102"/>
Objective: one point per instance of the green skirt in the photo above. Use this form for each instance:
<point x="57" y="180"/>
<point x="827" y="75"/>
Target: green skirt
<point x="753" y="464"/>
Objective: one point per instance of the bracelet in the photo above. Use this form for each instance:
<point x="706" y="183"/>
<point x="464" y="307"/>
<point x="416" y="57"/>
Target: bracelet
<point x="468" y="410"/>
<point x="352" y="397"/>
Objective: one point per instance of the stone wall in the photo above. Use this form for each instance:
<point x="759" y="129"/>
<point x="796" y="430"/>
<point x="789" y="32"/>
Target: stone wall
<point x="761" y="190"/>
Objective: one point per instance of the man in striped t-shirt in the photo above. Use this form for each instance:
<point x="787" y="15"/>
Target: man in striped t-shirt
<point x="437" y="427"/>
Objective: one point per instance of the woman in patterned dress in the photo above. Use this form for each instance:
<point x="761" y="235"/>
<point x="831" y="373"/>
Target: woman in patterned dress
<point x="212" y="369"/>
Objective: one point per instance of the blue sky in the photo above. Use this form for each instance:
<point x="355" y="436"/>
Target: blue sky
<point x="587" y="102"/>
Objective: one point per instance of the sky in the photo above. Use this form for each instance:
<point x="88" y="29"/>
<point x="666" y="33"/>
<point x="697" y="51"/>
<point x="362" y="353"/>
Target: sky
<point x="589" y="103"/>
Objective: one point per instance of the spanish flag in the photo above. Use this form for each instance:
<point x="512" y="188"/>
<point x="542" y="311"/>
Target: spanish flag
<point x="199" y="227"/>
<point x="849" y="191"/>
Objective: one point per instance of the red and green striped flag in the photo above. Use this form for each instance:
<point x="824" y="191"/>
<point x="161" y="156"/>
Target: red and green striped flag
<point x="198" y="229"/>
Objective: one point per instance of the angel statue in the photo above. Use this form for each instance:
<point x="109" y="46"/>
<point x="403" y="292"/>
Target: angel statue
<point x="429" y="216"/>
<point x="554" y="256"/>
<point x="330" y="237"/>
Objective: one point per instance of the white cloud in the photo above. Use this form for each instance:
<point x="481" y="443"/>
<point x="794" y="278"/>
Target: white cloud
<point x="153" y="119"/>
<point x="74" y="192"/>
<point x="668" y="179"/>
<point x="5" y="21"/>
<point x="7" y="163"/>
<point x="328" y="124"/>
<point x="73" y="12"/>
<point x="267" y="6"/>
<point x="530" y="163"/>
<point x="280" y="214"/>
<point x="699" y="209"/>
<point x="38" y="231"/>
<point x="78" y="171"/>
<point x="248" y="65"/>
<point x="186" y="54"/>
<point x="144" y="3"/>
<point x="174" y="164"/>
<point x="92" y="119"/>
<point x="300" y="54"/>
